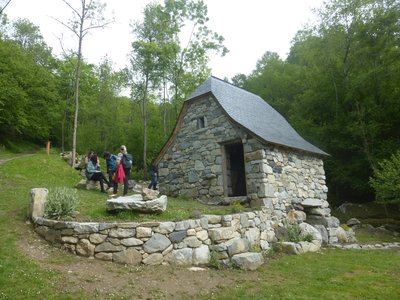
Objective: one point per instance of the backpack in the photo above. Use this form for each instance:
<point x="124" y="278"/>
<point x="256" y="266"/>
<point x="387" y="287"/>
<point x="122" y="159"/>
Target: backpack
<point x="127" y="161"/>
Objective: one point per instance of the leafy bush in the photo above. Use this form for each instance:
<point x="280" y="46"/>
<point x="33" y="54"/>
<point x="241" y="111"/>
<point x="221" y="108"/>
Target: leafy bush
<point x="385" y="180"/>
<point x="61" y="203"/>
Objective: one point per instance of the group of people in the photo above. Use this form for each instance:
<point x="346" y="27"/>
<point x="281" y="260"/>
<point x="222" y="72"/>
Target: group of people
<point x="118" y="171"/>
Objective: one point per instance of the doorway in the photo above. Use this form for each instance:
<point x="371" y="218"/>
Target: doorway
<point x="235" y="170"/>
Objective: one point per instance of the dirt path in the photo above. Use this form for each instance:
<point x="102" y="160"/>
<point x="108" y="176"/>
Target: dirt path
<point x="4" y="160"/>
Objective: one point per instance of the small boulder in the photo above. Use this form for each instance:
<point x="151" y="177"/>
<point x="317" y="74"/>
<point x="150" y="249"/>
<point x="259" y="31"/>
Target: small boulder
<point x="136" y="203"/>
<point x="248" y="261"/>
<point x="149" y="194"/>
<point x="353" y="222"/>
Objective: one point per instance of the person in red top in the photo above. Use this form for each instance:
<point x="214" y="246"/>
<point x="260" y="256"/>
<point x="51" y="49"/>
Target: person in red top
<point x="118" y="174"/>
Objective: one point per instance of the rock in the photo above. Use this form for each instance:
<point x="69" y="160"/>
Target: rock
<point x="108" y="247"/>
<point x="157" y="243"/>
<point x="195" y="214"/>
<point x="165" y="227"/>
<point x="248" y="261"/>
<point x="136" y="203"/>
<point x="326" y="212"/>
<point x="37" y="202"/>
<point x="253" y="236"/>
<point x="92" y="185"/>
<point x="221" y="233"/>
<point x="97" y="238"/>
<point x="306" y="229"/>
<point x="129" y="257"/>
<point x="321" y="220"/>
<point x="192" y="242"/>
<point x="324" y="234"/>
<point x="201" y="255"/>
<point x="85" y="248"/>
<point x="344" y="236"/>
<point x="282" y="234"/>
<point x="149" y="194"/>
<point x="237" y="245"/>
<point x="353" y="222"/>
<point x="154" y="259"/>
<point x="143" y="232"/>
<point x="177" y="236"/>
<point x="121" y="233"/>
<point x="296" y="216"/>
<point x="81" y="184"/>
<point x="180" y="257"/>
<point x="129" y="242"/>
<point x="313" y="203"/>
<point x="290" y="248"/>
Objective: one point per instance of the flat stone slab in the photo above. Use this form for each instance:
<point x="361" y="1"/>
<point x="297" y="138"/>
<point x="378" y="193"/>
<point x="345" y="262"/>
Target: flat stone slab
<point x="136" y="203"/>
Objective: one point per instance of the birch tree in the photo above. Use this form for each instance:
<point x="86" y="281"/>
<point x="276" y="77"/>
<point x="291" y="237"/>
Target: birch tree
<point x="87" y="16"/>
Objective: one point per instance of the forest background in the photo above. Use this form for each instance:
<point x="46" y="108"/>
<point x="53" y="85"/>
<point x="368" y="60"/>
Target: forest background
<point x="339" y="87"/>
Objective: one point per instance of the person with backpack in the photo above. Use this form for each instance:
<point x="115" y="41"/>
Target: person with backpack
<point x="93" y="172"/>
<point x="111" y="162"/>
<point x="125" y="159"/>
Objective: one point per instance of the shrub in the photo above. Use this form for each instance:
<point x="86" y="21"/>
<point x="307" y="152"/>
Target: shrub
<point x="295" y="236"/>
<point x="293" y="232"/>
<point x="385" y="180"/>
<point x="235" y="206"/>
<point x="307" y="238"/>
<point x="214" y="259"/>
<point x="61" y="203"/>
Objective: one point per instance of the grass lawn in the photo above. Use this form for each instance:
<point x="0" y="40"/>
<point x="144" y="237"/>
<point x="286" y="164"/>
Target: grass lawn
<point x="330" y="274"/>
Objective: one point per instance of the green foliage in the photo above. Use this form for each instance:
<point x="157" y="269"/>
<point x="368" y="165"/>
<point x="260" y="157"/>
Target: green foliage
<point x="235" y="206"/>
<point x="385" y="180"/>
<point x="345" y="227"/>
<point x="294" y="232"/>
<point x="295" y="235"/>
<point x="338" y="88"/>
<point x="214" y="260"/>
<point x="307" y="238"/>
<point x="61" y="203"/>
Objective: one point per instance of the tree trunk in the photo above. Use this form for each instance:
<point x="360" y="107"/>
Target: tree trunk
<point x="145" y="127"/>
<point x="77" y="77"/>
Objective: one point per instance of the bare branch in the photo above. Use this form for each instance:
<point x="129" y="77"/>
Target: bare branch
<point x="72" y="8"/>
<point x="98" y="26"/>
<point x="4" y="7"/>
<point x="66" y="25"/>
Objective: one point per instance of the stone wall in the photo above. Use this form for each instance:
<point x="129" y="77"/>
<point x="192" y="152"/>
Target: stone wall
<point x="228" y="239"/>
<point x="193" y="165"/>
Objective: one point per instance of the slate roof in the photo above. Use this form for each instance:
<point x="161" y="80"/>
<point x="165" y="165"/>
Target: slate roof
<point x="254" y="114"/>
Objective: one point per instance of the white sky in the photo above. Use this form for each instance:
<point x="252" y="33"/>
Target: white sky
<point x="250" y="28"/>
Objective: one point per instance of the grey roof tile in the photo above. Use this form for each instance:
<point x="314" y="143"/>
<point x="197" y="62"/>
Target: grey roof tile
<point x="254" y="114"/>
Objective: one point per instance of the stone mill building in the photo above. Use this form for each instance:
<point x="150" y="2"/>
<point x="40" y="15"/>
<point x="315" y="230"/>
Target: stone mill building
<point x="230" y="145"/>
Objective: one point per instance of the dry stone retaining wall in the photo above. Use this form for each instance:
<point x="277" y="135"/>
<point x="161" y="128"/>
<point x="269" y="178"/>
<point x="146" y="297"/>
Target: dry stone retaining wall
<point x="227" y="239"/>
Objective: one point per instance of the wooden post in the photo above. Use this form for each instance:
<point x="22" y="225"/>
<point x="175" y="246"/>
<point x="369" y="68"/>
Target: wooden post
<point x="48" y="148"/>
